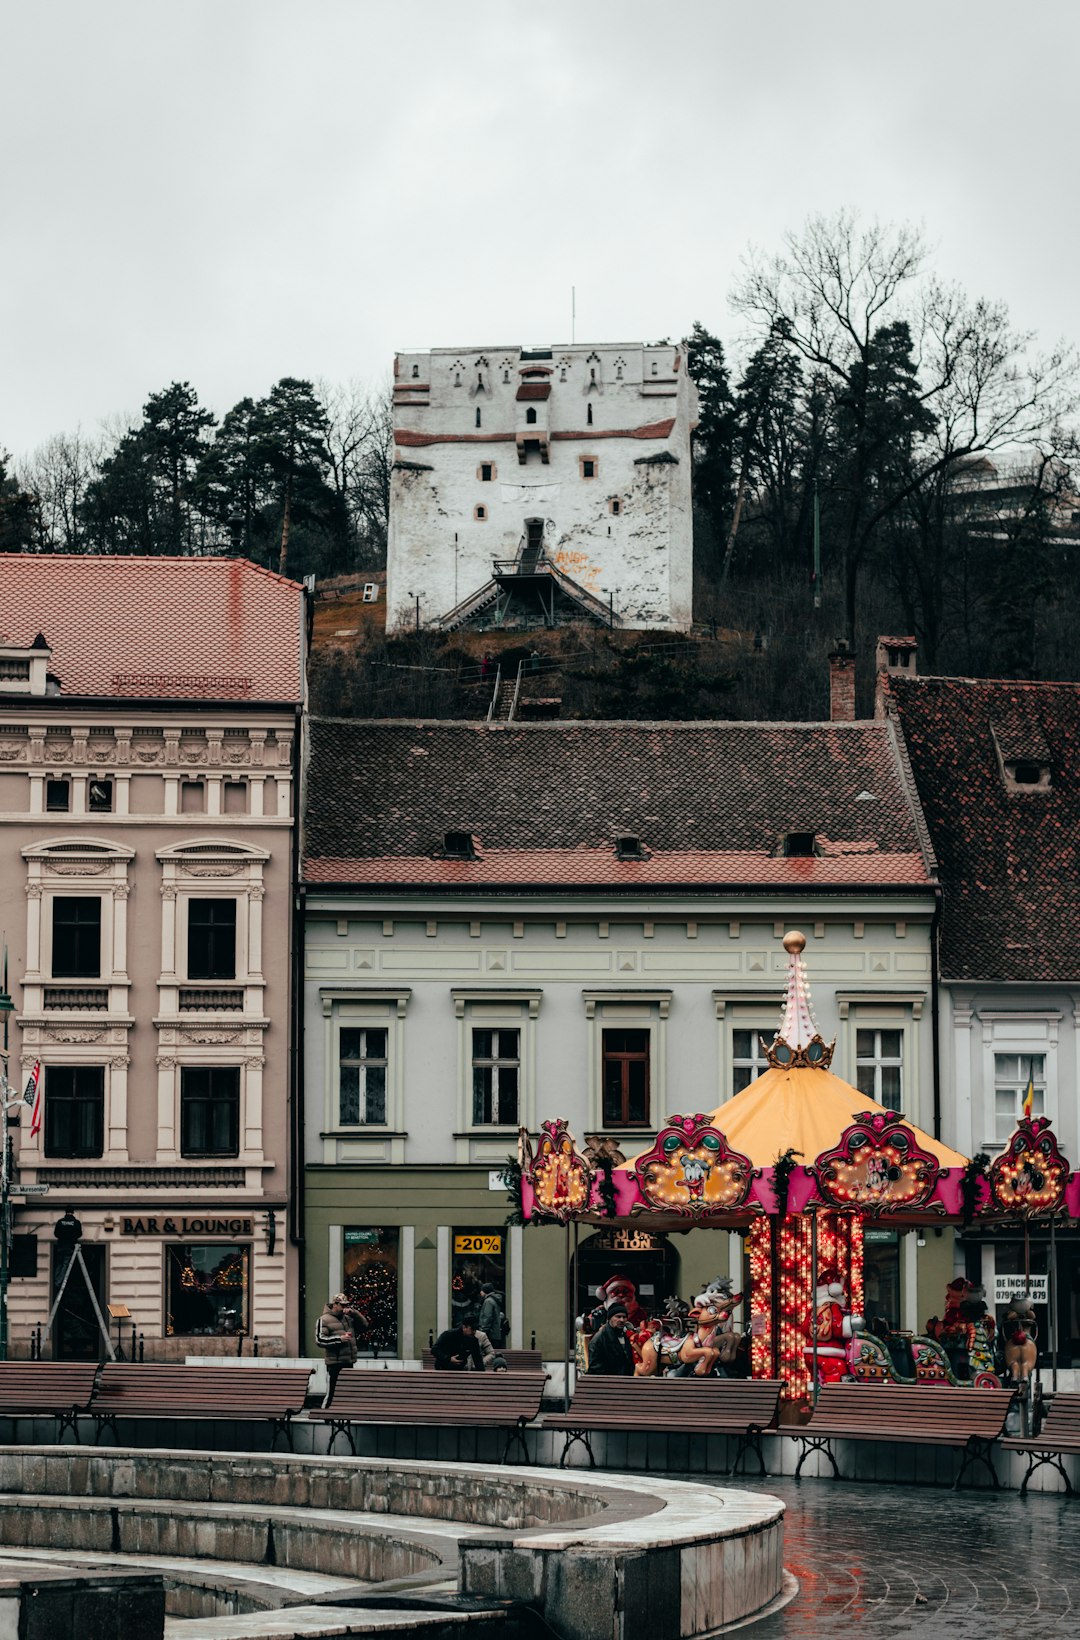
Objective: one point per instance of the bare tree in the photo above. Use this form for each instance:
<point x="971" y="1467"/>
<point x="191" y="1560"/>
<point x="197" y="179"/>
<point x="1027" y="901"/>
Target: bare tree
<point x="59" y="472"/>
<point x="360" y="445"/>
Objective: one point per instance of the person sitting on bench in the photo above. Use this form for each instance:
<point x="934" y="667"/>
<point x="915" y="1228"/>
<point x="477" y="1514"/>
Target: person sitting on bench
<point x="455" y="1348"/>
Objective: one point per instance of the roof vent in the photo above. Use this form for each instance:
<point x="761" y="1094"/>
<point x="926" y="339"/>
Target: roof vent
<point x="458" y="845"/>
<point x="630" y="847"/>
<point x="800" y="844"/>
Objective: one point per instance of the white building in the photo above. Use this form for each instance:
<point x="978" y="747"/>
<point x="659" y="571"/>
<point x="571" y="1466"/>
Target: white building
<point x="535" y="486"/>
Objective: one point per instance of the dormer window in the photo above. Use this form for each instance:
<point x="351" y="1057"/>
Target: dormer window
<point x="1025" y="774"/>
<point x="800" y="845"/>
<point x="458" y="845"/>
<point x="630" y="847"/>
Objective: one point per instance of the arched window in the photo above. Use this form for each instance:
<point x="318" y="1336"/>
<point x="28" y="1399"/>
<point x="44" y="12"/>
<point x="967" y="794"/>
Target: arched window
<point x="477" y="415"/>
<point x="588" y="414"/>
<point x="416" y="372"/>
<point x="480" y="513"/>
<point x="530" y="415"/>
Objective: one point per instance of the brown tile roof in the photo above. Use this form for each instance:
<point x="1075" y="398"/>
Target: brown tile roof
<point x="545" y="802"/>
<point x="158" y="628"/>
<point x="1009" y="861"/>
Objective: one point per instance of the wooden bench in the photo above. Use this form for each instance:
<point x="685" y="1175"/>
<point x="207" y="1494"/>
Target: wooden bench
<point x="47" y="1389"/>
<point x="1058" y="1437"/>
<point x="516" y="1360"/>
<point x="970" y="1420"/>
<point x="491" y="1400"/>
<point x="743" y="1407"/>
<point x="162" y="1390"/>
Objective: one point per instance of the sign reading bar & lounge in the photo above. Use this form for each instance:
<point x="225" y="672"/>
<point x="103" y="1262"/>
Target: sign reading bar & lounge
<point x="163" y="1225"/>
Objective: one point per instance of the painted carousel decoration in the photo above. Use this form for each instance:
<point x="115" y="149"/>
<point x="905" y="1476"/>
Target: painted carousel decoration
<point x="691" y="1170"/>
<point x="556" y="1181"/>
<point x="878" y="1165"/>
<point x="1031" y="1174"/>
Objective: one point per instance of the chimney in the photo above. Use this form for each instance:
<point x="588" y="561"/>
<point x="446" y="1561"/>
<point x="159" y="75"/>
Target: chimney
<point x="841" y="684"/>
<point x="894" y="658"/>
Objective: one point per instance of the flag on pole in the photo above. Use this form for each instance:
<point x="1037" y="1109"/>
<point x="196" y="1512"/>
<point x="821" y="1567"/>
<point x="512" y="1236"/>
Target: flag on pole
<point x="34" y="1097"/>
<point x="1029" y="1096"/>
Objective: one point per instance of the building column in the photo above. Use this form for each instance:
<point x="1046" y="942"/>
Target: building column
<point x="442" y="1278"/>
<point x="961" y="1060"/>
<point x="516" y="1296"/>
<point x="407" y="1281"/>
<point x="909" y="1281"/>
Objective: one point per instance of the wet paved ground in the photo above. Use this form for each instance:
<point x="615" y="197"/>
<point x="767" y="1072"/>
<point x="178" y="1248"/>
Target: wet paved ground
<point x="875" y="1561"/>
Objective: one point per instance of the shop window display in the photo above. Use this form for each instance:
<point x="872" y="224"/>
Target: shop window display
<point x="207" y="1290"/>
<point x="370" y="1279"/>
<point x="478" y="1256"/>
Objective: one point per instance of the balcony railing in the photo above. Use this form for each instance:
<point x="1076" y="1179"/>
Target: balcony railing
<point x="211" y="999"/>
<point x="94" y="998"/>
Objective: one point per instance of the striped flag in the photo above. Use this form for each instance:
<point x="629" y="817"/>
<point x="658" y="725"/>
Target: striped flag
<point x="34" y="1096"/>
<point x="1029" y="1096"/>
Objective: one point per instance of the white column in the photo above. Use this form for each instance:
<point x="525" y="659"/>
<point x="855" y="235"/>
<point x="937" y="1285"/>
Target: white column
<point x="172" y="794"/>
<point x="166" y="1141"/>
<point x="116" y="1143"/>
<point x="962" y="1115"/>
<point x="122" y="788"/>
<point x="168" y="931"/>
<point x="909" y="1281"/>
<point x="407" y="1292"/>
<point x="515" y="1249"/>
<point x="336" y="1275"/>
<point x="33" y="930"/>
<point x="253" y="1103"/>
<point x="37" y="794"/>
<point x="213" y="793"/>
<point x="442" y="1278"/>
<point x="119" y="931"/>
<point x="256" y="784"/>
<point x="254" y="931"/>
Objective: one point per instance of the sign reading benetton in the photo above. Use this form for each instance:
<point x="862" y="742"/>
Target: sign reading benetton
<point x="160" y="1226"/>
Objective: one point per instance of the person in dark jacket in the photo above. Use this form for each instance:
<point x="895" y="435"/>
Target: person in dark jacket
<point x="457" y="1347"/>
<point x="490" y="1319"/>
<point x="610" y="1351"/>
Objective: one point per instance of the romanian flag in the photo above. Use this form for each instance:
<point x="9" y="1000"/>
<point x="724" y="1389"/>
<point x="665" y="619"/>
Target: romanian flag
<point x="1029" y="1096"/>
<point x="34" y="1095"/>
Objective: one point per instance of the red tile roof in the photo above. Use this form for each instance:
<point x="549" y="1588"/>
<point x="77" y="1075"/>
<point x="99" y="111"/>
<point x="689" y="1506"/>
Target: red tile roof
<point x="158" y="628"/>
<point x="545" y="802"/>
<point x="1009" y="861"/>
<point x="600" y="867"/>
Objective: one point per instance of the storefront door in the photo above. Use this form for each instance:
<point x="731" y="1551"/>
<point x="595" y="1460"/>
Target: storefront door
<point x="76" y="1335"/>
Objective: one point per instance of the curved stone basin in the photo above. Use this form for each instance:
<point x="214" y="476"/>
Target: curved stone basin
<point x="610" y="1555"/>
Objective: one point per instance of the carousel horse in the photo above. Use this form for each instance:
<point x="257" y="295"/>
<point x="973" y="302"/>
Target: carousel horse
<point x="1019" y="1332"/>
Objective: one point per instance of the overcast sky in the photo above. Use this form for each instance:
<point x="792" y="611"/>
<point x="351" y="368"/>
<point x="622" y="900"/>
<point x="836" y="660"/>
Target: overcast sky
<point x="229" y="191"/>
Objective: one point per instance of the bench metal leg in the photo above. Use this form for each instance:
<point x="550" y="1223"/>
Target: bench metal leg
<point x="749" y="1441"/>
<point x="68" y="1419"/>
<point x="105" y="1420"/>
<point x="978" y="1450"/>
<point x="572" y="1437"/>
<point x="1036" y="1461"/>
<point x="516" y="1436"/>
<point x="814" y="1443"/>
<point x="340" y="1426"/>
<point x="282" y="1426"/>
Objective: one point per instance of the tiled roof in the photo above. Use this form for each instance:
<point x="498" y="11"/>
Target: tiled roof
<point x="158" y="628"/>
<point x="711" y="803"/>
<point x="1009" y="861"/>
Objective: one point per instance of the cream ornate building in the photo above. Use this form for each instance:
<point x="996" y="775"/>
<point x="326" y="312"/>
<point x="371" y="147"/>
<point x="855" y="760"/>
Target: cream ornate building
<point x="149" y="727"/>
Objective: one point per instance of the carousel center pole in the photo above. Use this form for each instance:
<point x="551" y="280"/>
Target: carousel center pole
<point x="568" y="1322"/>
<point x="813" y="1303"/>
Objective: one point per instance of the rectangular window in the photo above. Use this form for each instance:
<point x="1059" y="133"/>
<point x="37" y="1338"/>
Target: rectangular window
<point x="76" y="937"/>
<point x="477" y="1256"/>
<point x="879" y="1062"/>
<point x="369" y="1270"/>
<point x="747" y="1059"/>
<point x="588" y="469"/>
<point x="235" y="797"/>
<point x="496" y="1070"/>
<point x="74" y="1110"/>
<point x="362" y="1076"/>
<point x="210" y="1110"/>
<point x="212" y="939"/>
<point x="99" y="796"/>
<point x="192" y="797"/>
<point x="1011" y="1072"/>
<point x="57" y="796"/>
<point x="206" y="1290"/>
<point x="625" y="1078"/>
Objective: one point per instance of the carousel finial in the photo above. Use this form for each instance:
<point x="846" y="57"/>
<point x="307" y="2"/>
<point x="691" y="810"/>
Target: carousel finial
<point x="799" y="1040"/>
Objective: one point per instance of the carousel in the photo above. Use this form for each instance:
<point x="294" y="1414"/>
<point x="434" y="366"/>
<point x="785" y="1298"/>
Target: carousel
<point x="799" y="1163"/>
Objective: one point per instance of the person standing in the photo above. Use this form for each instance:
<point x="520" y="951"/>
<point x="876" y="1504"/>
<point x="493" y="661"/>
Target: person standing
<point x="610" y="1352"/>
<point x="335" y="1337"/>
<point x="491" y="1319"/>
<point x="457" y="1348"/>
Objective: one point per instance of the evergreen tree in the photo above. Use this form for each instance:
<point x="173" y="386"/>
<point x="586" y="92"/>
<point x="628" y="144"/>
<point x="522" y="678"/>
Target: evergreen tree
<point x="18" y="512"/>
<point x="715" y="437"/>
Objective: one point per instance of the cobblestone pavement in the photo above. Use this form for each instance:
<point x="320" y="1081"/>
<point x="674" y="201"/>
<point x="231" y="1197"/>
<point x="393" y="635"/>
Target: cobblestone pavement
<point x="877" y="1560"/>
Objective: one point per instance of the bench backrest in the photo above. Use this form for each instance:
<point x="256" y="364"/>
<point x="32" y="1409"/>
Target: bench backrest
<point x="161" y="1390"/>
<point x="443" y="1398"/>
<point x="905" y="1409"/>
<point x="46" y="1387"/>
<point x="516" y="1360"/>
<point x="701" y="1404"/>
<point x="1062" y="1420"/>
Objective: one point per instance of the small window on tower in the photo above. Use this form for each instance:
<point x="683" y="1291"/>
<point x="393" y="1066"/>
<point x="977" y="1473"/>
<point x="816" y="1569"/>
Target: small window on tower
<point x="588" y="466"/>
<point x="615" y="506"/>
<point x="416" y="372"/>
<point x="480" y="513"/>
<point x="530" y="415"/>
<point x="588" y="414"/>
<point x="486" y="472"/>
<point x="478" y="415"/>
